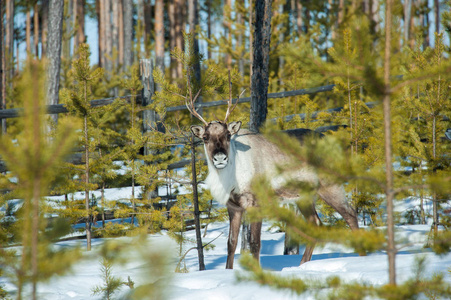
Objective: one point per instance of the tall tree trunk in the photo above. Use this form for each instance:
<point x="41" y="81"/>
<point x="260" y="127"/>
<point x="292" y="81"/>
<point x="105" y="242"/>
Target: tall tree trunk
<point x="180" y="22"/>
<point x="391" y="247"/>
<point x="2" y="68"/>
<point x="172" y="36"/>
<point x="79" y="11"/>
<point x="240" y="21"/>
<point x="228" y="31"/>
<point x="99" y="13"/>
<point x="36" y="29"/>
<point x="260" y="66"/>
<point x="128" y="32"/>
<point x="108" y="36"/>
<point x="115" y="31"/>
<point x="28" y="31"/>
<point x="407" y="14"/>
<point x="208" y="3"/>
<point x="147" y="26"/>
<point x="437" y="15"/>
<point x="251" y="40"/>
<point x="120" y="49"/>
<point x="299" y="23"/>
<point x="44" y="26"/>
<point x="341" y="12"/>
<point x="159" y="34"/>
<point x="55" y="33"/>
<point x="193" y="23"/>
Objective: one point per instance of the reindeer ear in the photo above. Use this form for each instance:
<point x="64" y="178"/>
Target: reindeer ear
<point x="198" y="130"/>
<point x="234" y="127"/>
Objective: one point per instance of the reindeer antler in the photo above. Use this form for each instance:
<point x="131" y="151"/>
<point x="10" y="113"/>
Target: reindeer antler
<point x="231" y="107"/>
<point x="192" y="108"/>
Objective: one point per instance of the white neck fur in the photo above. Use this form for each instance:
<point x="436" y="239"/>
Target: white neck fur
<point x="221" y="182"/>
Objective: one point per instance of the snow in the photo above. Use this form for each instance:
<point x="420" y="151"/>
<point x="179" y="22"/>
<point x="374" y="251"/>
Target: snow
<point x="218" y="283"/>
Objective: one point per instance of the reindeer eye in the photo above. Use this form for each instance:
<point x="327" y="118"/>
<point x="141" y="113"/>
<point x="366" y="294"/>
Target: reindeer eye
<point x="229" y="136"/>
<point x="205" y="138"/>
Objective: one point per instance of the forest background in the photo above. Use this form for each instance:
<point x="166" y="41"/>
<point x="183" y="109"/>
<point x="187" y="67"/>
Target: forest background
<point x="335" y="44"/>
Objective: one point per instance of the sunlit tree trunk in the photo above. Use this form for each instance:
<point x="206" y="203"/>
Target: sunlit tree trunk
<point x="120" y="12"/>
<point x="28" y="30"/>
<point x="79" y="11"/>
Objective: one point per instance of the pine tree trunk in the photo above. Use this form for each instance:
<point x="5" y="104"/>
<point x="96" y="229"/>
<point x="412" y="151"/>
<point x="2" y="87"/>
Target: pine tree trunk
<point x="44" y="26"/>
<point x="228" y="31"/>
<point x="79" y="11"/>
<point x="260" y="66"/>
<point x="208" y="4"/>
<point x="147" y="25"/>
<point x="2" y="69"/>
<point x="100" y="13"/>
<point x="159" y="35"/>
<point x="251" y="40"/>
<point x="299" y="23"/>
<point x="115" y="31"/>
<point x="120" y="49"/>
<point x="437" y="15"/>
<point x="108" y="36"/>
<point x="28" y="31"/>
<point x="179" y="42"/>
<point x="55" y="32"/>
<point x="193" y="23"/>
<point x="200" y="248"/>
<point x="391" y="247"/>
<point x="36" y="29"/>
<point x="128" y="32"/>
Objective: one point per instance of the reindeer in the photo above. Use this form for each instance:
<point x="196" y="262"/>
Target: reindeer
<point x="234" y="157"/>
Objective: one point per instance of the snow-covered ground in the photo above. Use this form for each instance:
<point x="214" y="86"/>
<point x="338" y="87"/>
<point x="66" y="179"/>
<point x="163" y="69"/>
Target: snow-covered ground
<point x="217" y="283"/>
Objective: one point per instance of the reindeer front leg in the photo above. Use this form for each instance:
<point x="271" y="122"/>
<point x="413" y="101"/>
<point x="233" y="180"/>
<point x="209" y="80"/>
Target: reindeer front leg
<point x="255" y="243"/>
<point x="235" y="215"/>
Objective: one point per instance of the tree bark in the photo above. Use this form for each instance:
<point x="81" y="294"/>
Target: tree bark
<point x="108" y="36"/>
<point x="28" y="30"/>
<point x="36" y="29"/>
<point x="128" y="32"/>
<point x="79" y="10"/>
<point x="228" y="31"/>
<point x="2" y="69"/>
<point x="115" y="31"/>
<point x="260" y="65"/>
<point x="179" y="42"/>
<point x="391" y="247"/>
<point x="44" y="26"/>
<point x="55" y="33"/>
<point x="193" y="23"/>
<point x="159" y="35"/>
<point x="120" y="12"/>
<point x="437" y="15"/>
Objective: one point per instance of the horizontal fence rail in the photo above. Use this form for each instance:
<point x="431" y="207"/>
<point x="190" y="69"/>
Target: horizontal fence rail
<point x="60" y="108"/>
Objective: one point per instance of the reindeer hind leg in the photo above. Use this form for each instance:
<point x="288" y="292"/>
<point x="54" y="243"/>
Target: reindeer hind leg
<point x="310" y="214"/>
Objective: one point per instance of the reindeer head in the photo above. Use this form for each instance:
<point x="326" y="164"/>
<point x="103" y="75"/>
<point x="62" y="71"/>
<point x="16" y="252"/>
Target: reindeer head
<point x="216" y="136"/>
